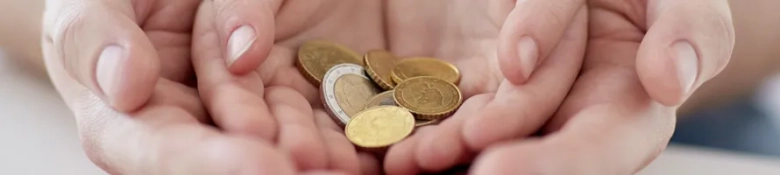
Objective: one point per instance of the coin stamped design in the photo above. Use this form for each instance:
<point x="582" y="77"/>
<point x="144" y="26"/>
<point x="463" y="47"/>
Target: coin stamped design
<point x="316" y="57"/>
<point x="344" y="100"/>
<point x="429" y="97"/>
<point x="424" y="66"/>
<point x="380" y="126"/>
<point x="352" y="93"/>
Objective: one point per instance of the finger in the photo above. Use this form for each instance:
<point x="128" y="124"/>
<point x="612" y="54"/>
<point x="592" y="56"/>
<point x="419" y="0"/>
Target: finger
<point x="102" y="47"/>
<point x="297" y="132"/>
<point x="341" y="152"/>
<point x="688" y="43"/>
<point x="246" y="31"/>
<point x="400" y="158"/>
<point x="531" y="33"/>
<point x="235" y="102"/>
<point x="600" y="139"/>
<point x="166" y="140"/>
<point x="158" y="139"/>
<point x="518" y="111"/>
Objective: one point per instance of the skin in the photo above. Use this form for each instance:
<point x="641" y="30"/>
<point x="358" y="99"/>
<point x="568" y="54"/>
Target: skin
<point x="576" y="110"/>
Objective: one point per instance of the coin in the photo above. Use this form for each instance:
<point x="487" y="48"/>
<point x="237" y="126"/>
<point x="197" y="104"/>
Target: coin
<point x="424" y="66"/>
<point x="423" y="122"/>
<point x="345" y="91"/>
<point x="380" y="126"/>
<point x="316" y="57"/>
<point x="379" y="65"/>
<point x="429" y="97"/>
<point x="381" y="99"/>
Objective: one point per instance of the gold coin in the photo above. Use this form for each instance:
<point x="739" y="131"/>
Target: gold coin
<point x="424" y="66"/>
<point x="423" y="122"/>
<point x="429" y="97"/>
<point x="316" y="57"/>
<point x="379" y="127"/>
<point x="381" y="99"/>
<point x="352" y="93"/>
<point x="379" y="65"/>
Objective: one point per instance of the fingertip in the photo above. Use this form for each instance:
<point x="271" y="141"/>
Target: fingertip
<point x="126" y="79"/>
<point x="510" y="63"/>
<point x="439" y="150"/>
<point x="400" y="158"/>
<point x="666" y="74"/>
<point x="247" y="48"/>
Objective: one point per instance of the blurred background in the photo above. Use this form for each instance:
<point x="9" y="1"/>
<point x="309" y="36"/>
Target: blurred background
<point x="730" y="126"/>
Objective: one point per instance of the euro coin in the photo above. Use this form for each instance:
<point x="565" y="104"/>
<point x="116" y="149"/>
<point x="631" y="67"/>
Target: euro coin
<point x="379" y="65"/>
<point x="380" y="127"/>
<point x="315" y="58"/>
<point x="424" y="66"/>
<point x="429" y="97"/>
<point x="381" y="99"/>
<point x="345" y="91"/>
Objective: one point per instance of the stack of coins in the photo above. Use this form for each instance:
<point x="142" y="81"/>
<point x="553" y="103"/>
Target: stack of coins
<point x="380" y="99"/>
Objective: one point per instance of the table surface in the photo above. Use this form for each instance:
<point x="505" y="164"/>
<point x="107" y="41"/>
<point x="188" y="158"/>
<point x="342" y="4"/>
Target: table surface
<point x="39" y="137"/>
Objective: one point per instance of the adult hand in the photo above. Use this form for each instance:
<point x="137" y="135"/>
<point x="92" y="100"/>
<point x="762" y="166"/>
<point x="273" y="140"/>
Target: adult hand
<point x="641" y="55"/>
<point x="518" y="61"/>
<point x="134" y="56"/>
<point x="244" y="55"/>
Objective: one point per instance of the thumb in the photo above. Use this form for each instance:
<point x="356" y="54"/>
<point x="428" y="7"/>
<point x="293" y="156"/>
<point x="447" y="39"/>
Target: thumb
<point x="688" y="43"/>
<point x="530" y="33"/>
<point x="100" y="44"/>
<point x="246" y="31"/>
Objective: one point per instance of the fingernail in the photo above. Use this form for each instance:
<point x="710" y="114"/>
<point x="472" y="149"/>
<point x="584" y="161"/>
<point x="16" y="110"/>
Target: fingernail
<point x="687" y="65"/>
<point x="529" y="55"/>
<point x="239" y="42"/>
<point x="108" y="69"/>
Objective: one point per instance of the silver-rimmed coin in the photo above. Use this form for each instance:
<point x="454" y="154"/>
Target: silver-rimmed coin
<point x="345" y="90"/>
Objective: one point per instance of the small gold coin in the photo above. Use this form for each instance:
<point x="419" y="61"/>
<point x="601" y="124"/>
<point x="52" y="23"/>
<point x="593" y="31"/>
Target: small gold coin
<point x="379" y="65"/>
<point x="381" y="99"/>
<point x="429" y="97"/>
<point x="316" y="57"/>
<point x="380" y="126"/>
<point x="424" y="66"/>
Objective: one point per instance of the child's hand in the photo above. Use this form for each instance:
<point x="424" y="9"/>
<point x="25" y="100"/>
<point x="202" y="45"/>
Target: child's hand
<point x="643" y="61"/>
<point x="244" y="56"/>
<point x="518" y="62"/>
<point x="121" y="66"/>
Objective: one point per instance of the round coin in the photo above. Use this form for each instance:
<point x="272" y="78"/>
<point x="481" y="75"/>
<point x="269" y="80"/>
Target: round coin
<point x="424" y="66"/>
<point x="381" y="99"/>
<point x="380" y="126"/>
<point x="316" y="57"/>
<point x="379" y="65"/>
<point x="345" y="91"/>
<point x="429" y="97"/>
<point x="421" y="123"/>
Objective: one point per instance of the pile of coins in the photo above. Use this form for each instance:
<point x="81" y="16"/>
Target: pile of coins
<point x="378" y="98"/>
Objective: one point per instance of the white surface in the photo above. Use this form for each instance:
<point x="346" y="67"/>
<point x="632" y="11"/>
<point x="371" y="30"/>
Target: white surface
<point x="38" y="137"/>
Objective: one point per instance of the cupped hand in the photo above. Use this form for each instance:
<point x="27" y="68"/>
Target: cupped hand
<point x="517" y="61"/>
<point x="244" y="56"/>
<point x="120" y="66"/>
<point x="644" y="59"/>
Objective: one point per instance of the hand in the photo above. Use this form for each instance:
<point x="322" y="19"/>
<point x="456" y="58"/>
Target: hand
<point x="517" y="61"/>
<point x="98" y="56"/>
<point x="244" y="54"/>
<point x="640" y="57"/>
